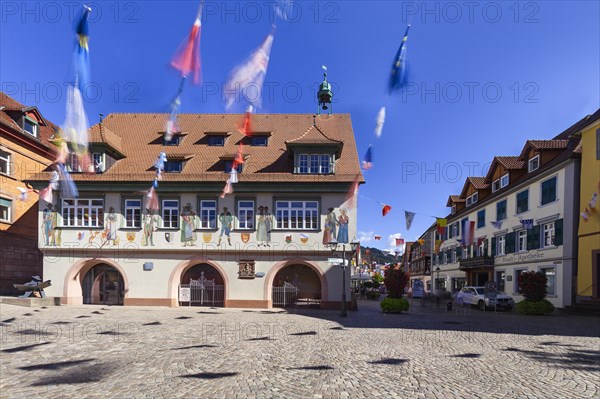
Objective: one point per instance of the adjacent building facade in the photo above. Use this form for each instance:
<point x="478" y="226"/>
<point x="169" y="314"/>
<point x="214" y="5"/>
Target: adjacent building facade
<point x="25" y="150"/>
<point x="522" y="216"/>
<point x="588" y="275"/>
<point x="237" y="250"/>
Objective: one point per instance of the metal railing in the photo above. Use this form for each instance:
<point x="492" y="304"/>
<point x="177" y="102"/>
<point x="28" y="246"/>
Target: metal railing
<point x="285" y="295"/>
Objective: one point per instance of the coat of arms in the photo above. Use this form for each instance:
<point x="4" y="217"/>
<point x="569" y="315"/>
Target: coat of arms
<point x="245" y="237"/>
<point x="288" y="238"/>
<point x="131" y="236"/>
<point x="207" y="237"/>
<point x="246" y="269"/>
<point x="168" y="237"/>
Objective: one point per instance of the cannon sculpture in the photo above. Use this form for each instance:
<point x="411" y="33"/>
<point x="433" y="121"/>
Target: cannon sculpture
<point x="35" y="287"/>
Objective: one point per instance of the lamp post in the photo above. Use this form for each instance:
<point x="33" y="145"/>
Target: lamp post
<point x="334" y="245"/>
<point x="437" y="280"/>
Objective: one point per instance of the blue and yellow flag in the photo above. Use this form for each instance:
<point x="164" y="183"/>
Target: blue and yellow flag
<point x="81" y="56"/>
<point x="398" y="74"/>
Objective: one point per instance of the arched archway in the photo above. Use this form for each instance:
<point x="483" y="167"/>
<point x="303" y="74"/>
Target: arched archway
<point x="179" y="271"/>
<point x="73" y="283"/>
<point x="305" y="278"/>
<point x="103" y="285"/>
<point x="205" y="284"/>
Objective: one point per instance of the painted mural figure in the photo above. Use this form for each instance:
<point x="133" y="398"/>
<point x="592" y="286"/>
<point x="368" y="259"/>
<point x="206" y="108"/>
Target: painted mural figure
<point x="263" y="226"/>
<point x="149" y="227"/>
<point x="330" y="227"/>
<point x="49" y="224"/>
<point x="226" y="220"/>
<point x="111" y="226"/>
<point x="343" y="221"/>
<point x="188" y="236"/>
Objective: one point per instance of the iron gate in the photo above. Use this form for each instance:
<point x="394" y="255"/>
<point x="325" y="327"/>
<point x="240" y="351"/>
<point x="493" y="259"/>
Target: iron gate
<point x="285" y="295"/>
<point x="202" y="292"/>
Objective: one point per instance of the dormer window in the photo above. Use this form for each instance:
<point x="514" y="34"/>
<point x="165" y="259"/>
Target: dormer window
<point x="229" y="166"/>
<point x="216" y="141"/>
<point x="72" y="164"/>
<point x="30" y="126"/>
<point x="260" y="141"/>
<point x="504" y="181"/>
<point x="314" y="164"/>
<point x="173" y="166"/>
<point x="175" y="140"/>
<point x="99" y="163"/>
<point x="469" y="201"/>
<point x="475" y="197"/>
<point x="496" y="185"/>
<point x="534" y="163"/>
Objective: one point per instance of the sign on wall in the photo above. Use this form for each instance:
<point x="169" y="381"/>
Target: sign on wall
<point x="184" y="294"/>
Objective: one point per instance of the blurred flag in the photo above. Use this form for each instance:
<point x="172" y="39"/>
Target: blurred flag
<point x="228" y="189"/>
<point x="441" y="225"/>
<point x="68" y="189"/>
<point x="250" y="74"/>
<point x="386" y="209"/>
<point x="527" y="223"/>
<point x="497" y="224"/>
<point x="377" y="238"/>
<point x="409" y="216"/>
<point x="246" y="129"/>
<point x="172" y="125"/>
<point x="398" y="74"/>
<point x="368" y="161"/>
<point x="75" y="128"/>
<point x="187" y="58"/>
<point x="152" y="200"/>
<point x="399" y="241"/>
<point x="81" y="56"/>
<point x="468" y="229"/>
<point x="379" y="121"/>
<point x="23" y="192"/>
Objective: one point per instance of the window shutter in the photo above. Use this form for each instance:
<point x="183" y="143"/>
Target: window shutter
<point x="533" y="238"/>
<point x="485" y="247"/>
<point x="510" y="243"/>
<point x="558" y="232"/>
<point x="493" y="246"/>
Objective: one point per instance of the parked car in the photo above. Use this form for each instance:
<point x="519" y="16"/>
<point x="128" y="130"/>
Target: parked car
<point x="475" y="296"/>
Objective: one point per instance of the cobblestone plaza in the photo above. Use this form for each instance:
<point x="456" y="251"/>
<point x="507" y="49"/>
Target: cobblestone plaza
<point x="136" y="352"/>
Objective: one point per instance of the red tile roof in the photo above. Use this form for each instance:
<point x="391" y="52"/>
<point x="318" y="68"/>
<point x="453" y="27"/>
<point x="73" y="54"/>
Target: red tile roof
<point x="136" y="136"/>
<point x="9" y="107"/>
<point x="511" y="162"/>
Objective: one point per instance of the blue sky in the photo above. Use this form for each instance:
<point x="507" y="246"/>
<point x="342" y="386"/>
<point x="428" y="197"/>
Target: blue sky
<point x="484" y="77"/>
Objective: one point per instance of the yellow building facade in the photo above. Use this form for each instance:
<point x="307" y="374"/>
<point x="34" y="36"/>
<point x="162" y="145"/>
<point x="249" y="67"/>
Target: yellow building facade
<point x="588" y="276"/>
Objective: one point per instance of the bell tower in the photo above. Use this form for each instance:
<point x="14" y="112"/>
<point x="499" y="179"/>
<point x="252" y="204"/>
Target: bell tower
<point x="325" y="95"/>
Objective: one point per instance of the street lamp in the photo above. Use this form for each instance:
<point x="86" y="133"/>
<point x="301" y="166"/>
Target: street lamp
<point x="437" y="281"/>
<point x="354" y="246"/>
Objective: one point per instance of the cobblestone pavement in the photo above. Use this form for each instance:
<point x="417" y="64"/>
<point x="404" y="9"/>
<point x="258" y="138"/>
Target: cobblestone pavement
<point x="137" y="352"/>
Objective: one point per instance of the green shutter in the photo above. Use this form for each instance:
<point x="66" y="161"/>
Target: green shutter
<point x="485" y="248"/>
<point x="533" y="238"/>
<point x="510" y="243"/>
<point x="493" y="246"/>
<point x="558" y="232"/>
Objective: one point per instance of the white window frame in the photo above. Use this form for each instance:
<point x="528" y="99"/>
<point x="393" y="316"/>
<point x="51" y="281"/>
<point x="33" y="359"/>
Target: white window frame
<point x="171" y="210"/>
<point x="101" y="161"/>
<point x="445" y="258"/>
<point x="549" y="228"/>
<point x="35" y="126"/>
<point x="245" y="214"/>
<point x="131" y="222"/>
<point x="5" y="160"/>
<point x="283" y="215"/>
<point x="500" y="245"/>
<point x="453" y="209"/>
<point x="496" y="185"/>
<point x="73" y="214"/>
<point x="542" y="270"/>
<point x="315" y="164"/>
<point x="481" y="249"/>
<point x="504" y="183"/>
<point x="475" y="197"/>
<point x="8" y="211"/>
<point x="72" y="164"/>
<point x="531" y="163"/>
<point x="469" y="201"/>
<point x="454" y="256"/>
<point x="211" y="211"/>
<point x="516" y="273"/>
<point x="522" y="239"/>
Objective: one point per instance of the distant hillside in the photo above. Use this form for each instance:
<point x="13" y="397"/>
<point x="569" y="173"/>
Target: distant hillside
<point x="376" y="255"/>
